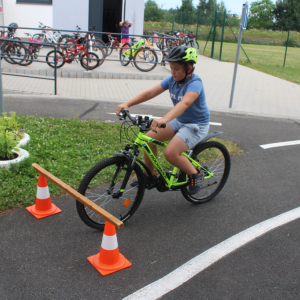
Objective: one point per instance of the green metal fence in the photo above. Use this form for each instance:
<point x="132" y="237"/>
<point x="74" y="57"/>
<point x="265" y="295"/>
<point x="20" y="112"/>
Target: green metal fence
<point x="217" y="33"/>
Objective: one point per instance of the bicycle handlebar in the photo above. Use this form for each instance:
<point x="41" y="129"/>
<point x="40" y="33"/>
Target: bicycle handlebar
<point x="138" y="120"/>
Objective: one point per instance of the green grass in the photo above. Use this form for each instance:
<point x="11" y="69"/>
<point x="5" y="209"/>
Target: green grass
<point x="67" y="148"/>
<point x="265" y="58"/>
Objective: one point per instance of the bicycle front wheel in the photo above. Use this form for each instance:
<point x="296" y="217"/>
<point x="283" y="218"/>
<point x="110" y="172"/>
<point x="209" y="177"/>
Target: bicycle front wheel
<point x="125" y="54"/>
<point x="102" y="182"/>
<point x="109" y="49"/>
<point x="145" y="59"/>
<point x="15" y="53"/>
<point x="92" y="62"/>
<point x="215" y="161"/>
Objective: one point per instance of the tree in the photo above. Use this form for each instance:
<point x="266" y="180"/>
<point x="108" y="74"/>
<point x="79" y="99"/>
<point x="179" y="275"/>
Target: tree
<point x="186" y="13"/>
<point x="261" y="14"/>
<point x="285" y="9"/>
<point x="153" y="12"/>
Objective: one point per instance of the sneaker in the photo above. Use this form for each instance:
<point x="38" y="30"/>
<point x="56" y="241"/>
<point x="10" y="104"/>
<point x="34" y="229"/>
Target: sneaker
<point x="147" y="179"/>
<point x="195" y="183"/>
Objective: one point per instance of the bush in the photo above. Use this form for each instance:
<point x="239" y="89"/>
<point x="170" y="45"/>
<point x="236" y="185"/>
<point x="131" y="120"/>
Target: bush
<point x="10" y="134"/>
<point x="291" y="43"/>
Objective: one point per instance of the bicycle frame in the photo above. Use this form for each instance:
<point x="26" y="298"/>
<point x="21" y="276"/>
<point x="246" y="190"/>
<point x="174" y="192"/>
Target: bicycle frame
<point x="73" y="53"/>
<point x="131" y="51"/>
<point x="142" y="141"/>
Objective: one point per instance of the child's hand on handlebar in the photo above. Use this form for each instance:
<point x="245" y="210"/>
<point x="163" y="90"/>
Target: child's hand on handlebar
<point x="158" y="123"/>
<point x="121" y="107"/>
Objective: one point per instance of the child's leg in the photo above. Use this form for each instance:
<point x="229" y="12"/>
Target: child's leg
<point x="173" y="155"/>
<point x="163" y="135"/>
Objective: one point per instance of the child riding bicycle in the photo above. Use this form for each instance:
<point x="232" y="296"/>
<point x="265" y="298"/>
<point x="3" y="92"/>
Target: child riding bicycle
<point x="187" y="123"/>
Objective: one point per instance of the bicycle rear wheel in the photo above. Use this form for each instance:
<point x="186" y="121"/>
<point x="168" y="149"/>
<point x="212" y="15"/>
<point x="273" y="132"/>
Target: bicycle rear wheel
<point x="214" y="158"/>
<point x="145" y="59"/>
<point x="99" y="185"/>
<point x="125" y="54"/>
<point x="50" y="58"/>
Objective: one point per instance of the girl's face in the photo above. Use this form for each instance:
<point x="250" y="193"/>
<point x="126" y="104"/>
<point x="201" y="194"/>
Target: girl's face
<point x="177" y="70"/>
<point x="125" y="24"/>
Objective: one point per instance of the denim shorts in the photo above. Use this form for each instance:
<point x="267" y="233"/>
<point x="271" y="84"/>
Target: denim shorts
<point x="191" y="133"/>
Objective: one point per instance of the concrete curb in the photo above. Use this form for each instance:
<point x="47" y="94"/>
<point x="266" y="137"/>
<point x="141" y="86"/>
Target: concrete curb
<point x="83" y="74"/>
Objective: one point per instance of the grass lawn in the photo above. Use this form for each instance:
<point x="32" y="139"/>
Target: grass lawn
<point x="67" y="148"/>
<point x="264" y="58"/>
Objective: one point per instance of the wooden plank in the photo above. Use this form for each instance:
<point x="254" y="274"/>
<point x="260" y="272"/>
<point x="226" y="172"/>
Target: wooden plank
<point x="82" y="199"/>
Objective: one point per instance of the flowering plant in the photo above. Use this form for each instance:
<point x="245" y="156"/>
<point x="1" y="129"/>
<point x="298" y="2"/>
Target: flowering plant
<point x="10" y="135"/>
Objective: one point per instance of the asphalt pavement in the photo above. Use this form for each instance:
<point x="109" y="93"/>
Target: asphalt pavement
<point x="47" y="258"/>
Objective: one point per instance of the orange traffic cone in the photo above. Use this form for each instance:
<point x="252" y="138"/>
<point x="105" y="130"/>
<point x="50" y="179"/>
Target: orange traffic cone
<point x="43" y="206"/>
<point x="109" y="260"/>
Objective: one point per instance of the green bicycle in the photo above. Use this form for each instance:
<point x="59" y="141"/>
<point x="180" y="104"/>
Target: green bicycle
<point x="144" y="58"/>
<point x="117" y="183"/>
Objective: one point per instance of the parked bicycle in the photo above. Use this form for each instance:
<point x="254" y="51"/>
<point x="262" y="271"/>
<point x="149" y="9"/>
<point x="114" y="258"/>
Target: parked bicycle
<point x="144" y="59"/>
<point x="77" y="52"/>
<point x="94" y="43"/>
<point x="112" y="44"/>
<point x="49" y="36"/>
<point x="12" y="51"/>
<point x="33" y="50"/>
<point x="117" y="184"/>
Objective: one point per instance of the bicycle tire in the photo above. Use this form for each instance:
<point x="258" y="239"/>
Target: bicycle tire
<point x="148" y="59"/>
<point x="59" y="57"/>
<point x="68" y="45"/>
<point x="109" y="49"/>
<point x="64" y="38"/>
<point x="125" y="60"/>
<point x="15" y="52"/>
<point x="92" y="58"/>
<point x="105" y="171"/>
<point x="213" y="157"/>
<point x="98" y="44"/>
<point x="28" y="61"/>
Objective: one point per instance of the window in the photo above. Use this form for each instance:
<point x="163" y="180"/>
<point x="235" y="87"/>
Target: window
<point x="34" y="1"/>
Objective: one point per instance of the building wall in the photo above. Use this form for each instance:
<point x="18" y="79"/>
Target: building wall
<point x="69" y="13"/>
<point x="134" y="12"/>
<point x="26" y="15"/>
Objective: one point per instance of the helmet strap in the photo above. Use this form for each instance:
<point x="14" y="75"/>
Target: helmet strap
<point x="186" y="74"/>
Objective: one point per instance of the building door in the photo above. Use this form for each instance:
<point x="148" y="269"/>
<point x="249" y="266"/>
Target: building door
<point x="112" y="15"/>
<point x="105" y="15"/>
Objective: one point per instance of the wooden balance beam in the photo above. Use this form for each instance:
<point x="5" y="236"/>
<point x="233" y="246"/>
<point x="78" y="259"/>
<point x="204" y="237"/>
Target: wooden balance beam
<point x="82" y="199"/>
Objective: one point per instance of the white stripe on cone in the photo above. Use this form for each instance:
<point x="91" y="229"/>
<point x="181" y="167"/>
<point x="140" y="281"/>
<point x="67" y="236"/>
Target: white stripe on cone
<point x="109" y="242"/>
<point x="43" y="193"/>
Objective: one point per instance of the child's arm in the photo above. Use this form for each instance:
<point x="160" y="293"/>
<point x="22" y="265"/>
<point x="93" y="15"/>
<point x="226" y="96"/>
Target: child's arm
<point x="142" y="97"/>
<point x="131" y="23"/>
<point x="121" y="23"/>
<point x="188" y="99"/>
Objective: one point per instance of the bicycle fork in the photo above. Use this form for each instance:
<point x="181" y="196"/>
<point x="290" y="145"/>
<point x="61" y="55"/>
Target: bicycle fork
<point x="119" y="193"/>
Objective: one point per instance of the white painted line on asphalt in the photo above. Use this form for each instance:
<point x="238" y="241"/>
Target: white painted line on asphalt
<point x="179" y="276"/>
<point x="150" y="116"/>
<point x="215" y="124"/>
<point x="267" y="146"/>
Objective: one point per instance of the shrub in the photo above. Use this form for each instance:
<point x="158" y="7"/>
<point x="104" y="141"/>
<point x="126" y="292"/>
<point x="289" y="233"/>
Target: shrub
<point x="291" y="43"/>
<point x="10" y="134"/>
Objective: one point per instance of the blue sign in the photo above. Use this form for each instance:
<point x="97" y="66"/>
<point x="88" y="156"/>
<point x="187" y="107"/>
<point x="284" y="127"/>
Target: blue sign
<point x="245" y="16"/>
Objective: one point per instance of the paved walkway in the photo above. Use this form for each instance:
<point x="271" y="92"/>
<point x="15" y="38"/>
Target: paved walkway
<point x="256" y="93"/>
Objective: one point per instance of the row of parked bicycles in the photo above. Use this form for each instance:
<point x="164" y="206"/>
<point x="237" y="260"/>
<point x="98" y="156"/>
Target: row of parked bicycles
<point x="88" y="49"/>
